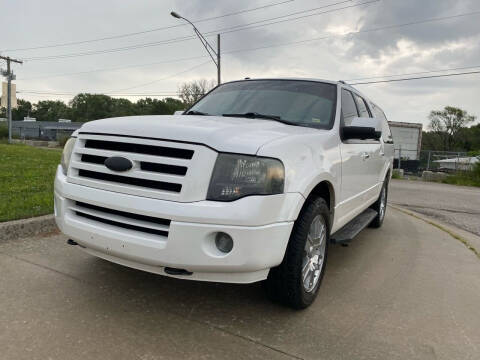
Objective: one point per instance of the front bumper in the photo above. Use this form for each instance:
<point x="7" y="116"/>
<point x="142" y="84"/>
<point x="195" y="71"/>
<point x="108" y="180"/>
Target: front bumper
<point x="259" y="225"/>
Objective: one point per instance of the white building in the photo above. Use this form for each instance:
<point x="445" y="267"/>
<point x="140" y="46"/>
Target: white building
<point x="407" y="138"/>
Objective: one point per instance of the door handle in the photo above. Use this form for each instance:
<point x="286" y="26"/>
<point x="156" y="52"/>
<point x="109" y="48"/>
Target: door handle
<point x="382" y="153"/>
<point x="365" y="155"/>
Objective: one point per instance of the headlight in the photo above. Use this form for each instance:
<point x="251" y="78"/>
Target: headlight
<point x="67" y="154"/>
<point x="236" y="176"/>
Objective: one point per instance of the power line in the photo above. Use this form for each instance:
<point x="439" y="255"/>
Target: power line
<point x="174" y="94"/>
<point x="417" y="78"/>
<point x="131" y="87"/>
<point x="415" y="73"/>
<point x="221" y="31"/>
<point x="115" y="68"/>
<point x="352" y="33"/>
<point x="164" y="78"/>
<point x="289" y="44"/>
<point x="149" y="30"/>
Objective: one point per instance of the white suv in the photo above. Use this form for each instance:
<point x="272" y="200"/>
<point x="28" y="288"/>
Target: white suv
<point x="251" y="183"/>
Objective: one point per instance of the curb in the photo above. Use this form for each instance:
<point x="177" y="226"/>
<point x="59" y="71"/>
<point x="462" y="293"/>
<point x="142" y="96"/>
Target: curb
<point x="469" y="240"/>
<point x="27" y="227"/>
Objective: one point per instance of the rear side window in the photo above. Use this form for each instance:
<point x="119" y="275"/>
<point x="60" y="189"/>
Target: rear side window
<point x="349" y="109"/>
<point x="386" y="132"/>
<point x="362" y="106"/>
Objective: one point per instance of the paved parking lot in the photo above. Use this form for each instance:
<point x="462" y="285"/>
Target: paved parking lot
<point x="405" y="291"/>
<point x="455" y="205"/>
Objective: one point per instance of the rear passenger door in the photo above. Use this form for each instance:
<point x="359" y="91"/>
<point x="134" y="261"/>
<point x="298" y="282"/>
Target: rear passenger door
<point x="376" y="159"/>
<point x="358" y="175"/>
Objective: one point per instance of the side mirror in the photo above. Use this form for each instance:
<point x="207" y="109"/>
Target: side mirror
<point x="362" y="129"/>
<point x="178" y="112"/>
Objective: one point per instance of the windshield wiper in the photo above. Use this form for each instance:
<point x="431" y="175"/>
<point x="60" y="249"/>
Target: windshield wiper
<point x="195" y="112"/>
<point x="255" y="115"/>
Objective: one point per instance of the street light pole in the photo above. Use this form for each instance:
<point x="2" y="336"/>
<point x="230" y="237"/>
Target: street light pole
<point x="214" y="55"/>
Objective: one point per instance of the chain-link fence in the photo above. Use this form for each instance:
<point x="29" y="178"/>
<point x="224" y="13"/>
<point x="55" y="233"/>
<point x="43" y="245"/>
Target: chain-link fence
<point x="414" y="162"/>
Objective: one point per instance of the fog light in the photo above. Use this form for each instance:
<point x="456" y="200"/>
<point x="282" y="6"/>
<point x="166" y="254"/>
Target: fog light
<point x="224" y="242"/>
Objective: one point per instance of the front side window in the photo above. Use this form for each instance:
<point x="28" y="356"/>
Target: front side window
<point x="303" y="103"/>
<point x="349" y="109"/>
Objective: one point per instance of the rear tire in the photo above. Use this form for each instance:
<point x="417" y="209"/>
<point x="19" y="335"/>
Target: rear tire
<point x="295" y="282"/>
<point x="380" y="206"/>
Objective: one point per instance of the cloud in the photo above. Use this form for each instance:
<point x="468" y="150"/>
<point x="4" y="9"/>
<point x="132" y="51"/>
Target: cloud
<point x="435" y="45"/>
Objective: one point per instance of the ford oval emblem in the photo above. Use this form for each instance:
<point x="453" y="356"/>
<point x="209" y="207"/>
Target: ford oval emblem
<point x="118" y="163"/>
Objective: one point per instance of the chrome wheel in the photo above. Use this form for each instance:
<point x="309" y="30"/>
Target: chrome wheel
<point x="314" y="253"/>
<point x="383" y="202"/>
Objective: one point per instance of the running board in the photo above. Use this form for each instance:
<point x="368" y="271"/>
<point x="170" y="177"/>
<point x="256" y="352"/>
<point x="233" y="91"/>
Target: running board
<point x="353" y="228"/>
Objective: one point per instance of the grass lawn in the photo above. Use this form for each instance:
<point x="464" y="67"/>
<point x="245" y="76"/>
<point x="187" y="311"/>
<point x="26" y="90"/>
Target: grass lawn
<point x="26" y="181"/>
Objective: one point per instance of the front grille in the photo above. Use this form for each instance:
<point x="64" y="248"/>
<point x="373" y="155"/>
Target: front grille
<point x="161" y="169"/>
<point x="136" y="222"/>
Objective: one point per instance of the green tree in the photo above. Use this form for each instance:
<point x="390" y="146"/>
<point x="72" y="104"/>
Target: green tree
<point x="173" y="105"/>
<point x="122" y="107"/>
<point x="447" y="125"/>
<point x="24" y="109"/>
<point x="86" y="107"/>
<point x="50" y="110"/>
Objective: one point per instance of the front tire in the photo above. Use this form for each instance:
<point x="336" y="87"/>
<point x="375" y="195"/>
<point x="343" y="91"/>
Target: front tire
<point x="295" y="282"/>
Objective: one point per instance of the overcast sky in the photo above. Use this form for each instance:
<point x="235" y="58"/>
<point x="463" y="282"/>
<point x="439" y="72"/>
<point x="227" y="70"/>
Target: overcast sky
<point x="452" y="43"/>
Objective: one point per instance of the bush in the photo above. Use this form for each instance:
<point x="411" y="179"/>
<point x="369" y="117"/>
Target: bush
<point x="3" y="131"/>
<point x="466" y="178"/>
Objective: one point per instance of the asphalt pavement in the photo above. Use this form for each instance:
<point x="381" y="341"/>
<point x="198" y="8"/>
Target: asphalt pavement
<point x="405" y="291"/>
<point x="455" y="205"/>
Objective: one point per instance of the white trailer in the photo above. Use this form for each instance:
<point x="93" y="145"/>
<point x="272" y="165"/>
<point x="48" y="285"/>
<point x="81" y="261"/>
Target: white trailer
<point x="407" y="138"/>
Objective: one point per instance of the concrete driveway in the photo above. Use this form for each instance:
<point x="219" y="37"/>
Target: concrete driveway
<point x="455" y="205"/>
<point x="405" y="291"/>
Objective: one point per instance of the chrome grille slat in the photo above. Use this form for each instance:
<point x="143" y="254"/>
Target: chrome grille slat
<point x="172" y="152"/>
<point x="130" y="180"/>
<point x="138" y="173"/>
<point x="145" y="166"/>
<point x="135" y="157"/>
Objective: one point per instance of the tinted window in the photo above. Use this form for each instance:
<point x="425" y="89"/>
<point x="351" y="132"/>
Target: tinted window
<point x="362" y="106"/>
<point x="307" y="103"/>
<point x="349" y="109"/>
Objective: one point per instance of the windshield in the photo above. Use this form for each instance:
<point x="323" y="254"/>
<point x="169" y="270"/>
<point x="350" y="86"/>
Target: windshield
<point x="304" y="103"/>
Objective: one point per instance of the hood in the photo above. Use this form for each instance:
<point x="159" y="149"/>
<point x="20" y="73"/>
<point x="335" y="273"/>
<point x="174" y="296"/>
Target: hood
<point x="225" y="134"/>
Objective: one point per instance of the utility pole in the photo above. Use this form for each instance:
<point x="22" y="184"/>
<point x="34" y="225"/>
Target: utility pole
<point x="219" y="78"/>
<point x="10" y="76"/>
